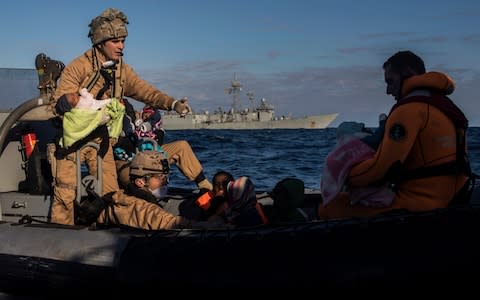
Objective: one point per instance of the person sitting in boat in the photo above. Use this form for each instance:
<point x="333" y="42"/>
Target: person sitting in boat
<point x="423" y="153"/>
<point x="214" y="202"/>
<point x="355" y="143"/>
<point x="138" y="206"/>
<point x="149" y="125"/>
<point x="104" y="73"/>
<point x="288" y="202"/>
<point x="148" y="177"/>
<point x="138" y="134"/>
<point x="240" y="206"/>
<point x="136" y="128"/>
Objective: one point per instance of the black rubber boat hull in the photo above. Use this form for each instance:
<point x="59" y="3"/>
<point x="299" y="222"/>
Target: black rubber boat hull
<point x="412" y="250"/>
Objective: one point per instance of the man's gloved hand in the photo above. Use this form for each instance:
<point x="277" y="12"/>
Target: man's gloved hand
<point x="88" y="102"/>
<point x="181" y="107"/>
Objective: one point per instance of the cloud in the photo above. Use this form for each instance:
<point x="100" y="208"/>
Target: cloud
<point x="382" y="35"/>
<point x="273" y="54"/>
<point x="472" y="37"/>
<point x="429" y="39"/>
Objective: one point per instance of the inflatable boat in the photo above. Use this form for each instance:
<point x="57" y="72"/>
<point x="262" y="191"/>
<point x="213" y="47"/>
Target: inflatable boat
<point x="36" y="256"/>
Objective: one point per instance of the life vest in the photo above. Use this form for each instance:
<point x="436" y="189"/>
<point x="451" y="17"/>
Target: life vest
<point x="113" y="82"/>
<point x="460" y="165"/>
<point x="108" y="73"/>
<point x="204" y="201"/>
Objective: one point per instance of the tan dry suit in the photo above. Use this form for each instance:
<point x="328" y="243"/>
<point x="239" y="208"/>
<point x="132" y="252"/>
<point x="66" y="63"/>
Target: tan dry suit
<point x="84" y="72"/>
<point x="418" y="135"/>
<point x="133" y="212"/>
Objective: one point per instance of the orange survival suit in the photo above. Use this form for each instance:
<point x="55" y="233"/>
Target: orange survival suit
<point x="423" y="152"/>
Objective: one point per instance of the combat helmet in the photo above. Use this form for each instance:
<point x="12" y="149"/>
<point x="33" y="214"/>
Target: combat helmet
<point x="149" y="163"/>
<point x="111" y="24"/>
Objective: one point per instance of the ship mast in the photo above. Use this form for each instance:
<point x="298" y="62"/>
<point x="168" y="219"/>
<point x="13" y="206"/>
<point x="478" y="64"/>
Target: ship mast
<point x="234" y="90"/>
<point x="251" y="100"/>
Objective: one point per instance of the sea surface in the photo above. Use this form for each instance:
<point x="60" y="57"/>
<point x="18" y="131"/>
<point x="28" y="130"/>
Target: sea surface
<point x="267" y="156"/>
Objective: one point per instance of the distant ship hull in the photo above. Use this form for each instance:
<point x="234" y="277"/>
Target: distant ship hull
<point x="175" y="122"/>
<point x="189" y="122"/>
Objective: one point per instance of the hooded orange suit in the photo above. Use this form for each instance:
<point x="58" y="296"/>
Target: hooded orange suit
<point x="417" y="135"/>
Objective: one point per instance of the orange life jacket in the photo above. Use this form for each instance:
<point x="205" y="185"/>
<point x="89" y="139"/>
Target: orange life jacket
<point x="459" y="165"/>
<point x="205" y="200"/>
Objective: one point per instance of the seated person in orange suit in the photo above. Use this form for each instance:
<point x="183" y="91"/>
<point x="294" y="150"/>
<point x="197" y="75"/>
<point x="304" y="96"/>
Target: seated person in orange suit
<point x="420" y="155"/>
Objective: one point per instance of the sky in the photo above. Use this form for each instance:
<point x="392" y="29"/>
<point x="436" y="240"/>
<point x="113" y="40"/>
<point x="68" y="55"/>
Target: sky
<point x="306" y="57"/>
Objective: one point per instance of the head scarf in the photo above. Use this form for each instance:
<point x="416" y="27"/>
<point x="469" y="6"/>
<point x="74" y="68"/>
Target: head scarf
<point x="241" y="197"/>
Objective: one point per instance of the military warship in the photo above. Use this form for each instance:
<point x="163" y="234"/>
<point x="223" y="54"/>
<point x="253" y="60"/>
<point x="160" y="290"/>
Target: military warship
<point x="258" y="116"/>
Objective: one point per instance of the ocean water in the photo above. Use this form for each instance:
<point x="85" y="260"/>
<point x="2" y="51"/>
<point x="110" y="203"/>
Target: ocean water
<point x="267" y="156"/>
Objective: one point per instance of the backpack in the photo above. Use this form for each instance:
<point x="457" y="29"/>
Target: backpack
<point x="38" y="174"/>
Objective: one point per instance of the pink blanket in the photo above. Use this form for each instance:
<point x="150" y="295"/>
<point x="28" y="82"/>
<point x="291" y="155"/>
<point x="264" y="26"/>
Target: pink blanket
<point x="349" y="151"/>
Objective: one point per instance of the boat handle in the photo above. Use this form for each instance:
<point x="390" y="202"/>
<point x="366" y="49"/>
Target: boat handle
<point x="16" y="204"/>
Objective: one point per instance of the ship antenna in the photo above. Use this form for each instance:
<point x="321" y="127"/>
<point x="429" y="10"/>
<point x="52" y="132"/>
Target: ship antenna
<point x="251" y="101"/>
<point x="234" y="90"/>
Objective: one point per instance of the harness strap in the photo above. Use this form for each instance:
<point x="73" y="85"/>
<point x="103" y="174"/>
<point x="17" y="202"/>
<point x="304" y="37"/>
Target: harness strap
<point x="96" y="75"/>
<point x="91" y="83"/>
<point x="101" y="132"/>
<point x="443" y="103"/>
<point x="109" y="76"/>
<point x="448" y="168"/>
<point x="461" y="164"/>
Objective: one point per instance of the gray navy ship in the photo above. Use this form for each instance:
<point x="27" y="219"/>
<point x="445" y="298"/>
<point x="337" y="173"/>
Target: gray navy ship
<point x="258" y="116"/>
